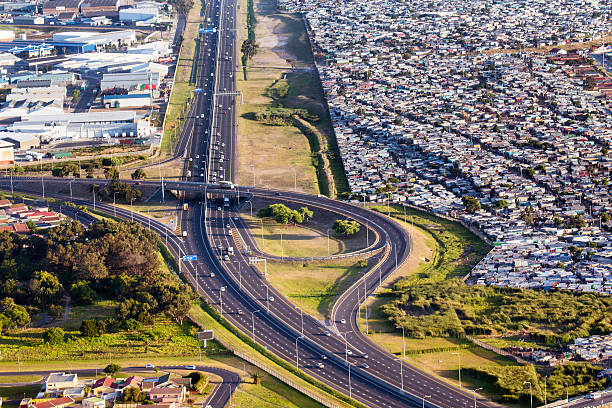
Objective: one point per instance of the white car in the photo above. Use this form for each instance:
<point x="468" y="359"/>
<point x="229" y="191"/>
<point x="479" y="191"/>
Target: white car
<point x="212" y="274"/>
<point x="148" y="365"/>
<point x="343" y="321"/>
<point x="190" y="367"/>
<point x="271" y="298"/>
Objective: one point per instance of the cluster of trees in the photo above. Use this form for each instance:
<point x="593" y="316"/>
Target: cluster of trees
<point x="285" y="215"/>
<point x="509" y="381"/>
<point x="110" y="260"/>
<point x="118" y="191"/>
<point x="451" y="308"/>
<point x="346" y="227"/>
<point x="471" y="204"/>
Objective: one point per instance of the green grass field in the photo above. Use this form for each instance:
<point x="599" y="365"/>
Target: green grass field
<point x="313" y="286"/>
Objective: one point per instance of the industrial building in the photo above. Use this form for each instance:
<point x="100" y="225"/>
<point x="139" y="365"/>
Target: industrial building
<point x="87" y="125"/>
<point x="56" y="7"/>
<point x="21" y="141"/>
<point x="139" y="14"/>
<point x="131" y="80"/>
<point x="108" y="8"/>
<point x="135" y="100"/>
<point x="38" y="94"/>
<point x="6" y="153"/>
<point x="28" y="20"/>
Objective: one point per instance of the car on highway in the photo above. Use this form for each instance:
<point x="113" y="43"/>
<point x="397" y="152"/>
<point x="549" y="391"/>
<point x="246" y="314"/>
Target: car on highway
<point x="271" y="298"/>
<point x="349" y="352"/>
<point x="240" y="312"/>
<point x="218" y="208"/>
<point x="327" y="333"/>
<point x="222" y="288"/>
<point x="366" y="356"/>
<point x="323" y="357"/>
<point x="320" y="365"/>
<point x="149" y="365"/>
<point x="227" y="226"/>
<point x="212" y="274"/>
<point x="365" y="365"/>
<point x="190" y="367"/>
<point x="226" y="258"/>
<point x="229" y="233"/>
<point x="343" y="321"/>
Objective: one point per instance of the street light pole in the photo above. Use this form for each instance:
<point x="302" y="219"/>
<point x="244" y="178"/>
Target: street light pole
<point x="114" y="208"/>
<point x="253" y="321"/>
<point x="530" y="393"/>
<point x="459" y="355"/>
<point x="297" y="363"/>
<point x="477" y="389"/>
<point x="566" y="392"/>
<point x="425" y="396"/>
<point x="328" y="251"/>
<point x="402" y="373"/>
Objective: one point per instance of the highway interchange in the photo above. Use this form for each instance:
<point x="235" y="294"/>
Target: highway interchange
<point x="334" y="352"/>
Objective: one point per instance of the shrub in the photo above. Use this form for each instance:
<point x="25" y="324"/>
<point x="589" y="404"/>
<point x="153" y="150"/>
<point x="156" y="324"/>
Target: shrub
<point x="54" y="336"/>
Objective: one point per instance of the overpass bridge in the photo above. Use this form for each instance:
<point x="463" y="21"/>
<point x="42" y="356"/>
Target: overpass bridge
<point x="184" y="189"/>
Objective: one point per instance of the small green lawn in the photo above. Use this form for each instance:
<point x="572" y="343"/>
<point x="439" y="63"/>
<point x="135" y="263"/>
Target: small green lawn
<point x="17" y="392"/>
<point x="270" y="393"/>
<point x="6" y="379"/>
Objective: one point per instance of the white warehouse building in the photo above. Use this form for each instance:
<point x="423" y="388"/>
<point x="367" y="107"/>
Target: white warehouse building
<point x="139" y="14"/>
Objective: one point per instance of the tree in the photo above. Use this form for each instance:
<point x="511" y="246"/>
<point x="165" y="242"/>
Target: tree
<point x="179" y="306"/>
<point x="256" y="378"/>
<point x="471" y="204"/>
<point x="81" y="293"/>
<point x="528" y="216"/>
<point x="139" y="174"/>
<point x="75" y="95"/>
<point x="133" y="394"/>
<point x="31" y="226"/>
<point x="306" y="213"/>
<point x="92" y="328"/>
<point x="284" y="215"/>
<point x="111" y="173"/>
<point x="13" y="315"/>
<point x="46" y="288"/>
<point x="605" y="217"/>
<point x="54" y="336"/>
<point x="346" y="227"/>
<point x="112" y="369"/>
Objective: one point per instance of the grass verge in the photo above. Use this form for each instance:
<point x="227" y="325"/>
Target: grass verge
<point x="181" y="88"/>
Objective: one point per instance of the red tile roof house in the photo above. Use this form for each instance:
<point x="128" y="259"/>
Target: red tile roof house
<point x="167" y="394"/>
<point x="55" y="403"/>
<point x="16" y="209"/>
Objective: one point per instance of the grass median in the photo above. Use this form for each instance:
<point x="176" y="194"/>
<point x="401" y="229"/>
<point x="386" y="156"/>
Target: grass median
<point x="181" y="88"/>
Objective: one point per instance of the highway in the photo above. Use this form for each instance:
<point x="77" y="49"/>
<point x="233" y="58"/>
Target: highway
<point x="334" y="352"/>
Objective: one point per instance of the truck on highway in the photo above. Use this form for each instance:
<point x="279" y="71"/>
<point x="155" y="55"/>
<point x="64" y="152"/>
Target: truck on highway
<point x="185" y="207"/>
<point x="226" y="184"/>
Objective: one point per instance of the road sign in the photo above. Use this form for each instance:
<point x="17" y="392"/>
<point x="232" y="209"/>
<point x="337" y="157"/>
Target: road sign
<point x="190" y="258"/>
<point x="197" y="90"/>
<point x="207" y="30"/>
<point x="205" y="335"/>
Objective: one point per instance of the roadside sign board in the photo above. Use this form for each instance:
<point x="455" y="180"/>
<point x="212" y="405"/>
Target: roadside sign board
<point x="197" y="90"/>
<point x="190" y="258"/>
<point x="207" y="30"/>
<point x="205" y="335"/>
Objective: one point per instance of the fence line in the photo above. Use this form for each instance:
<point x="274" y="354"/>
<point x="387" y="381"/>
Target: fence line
<point x="496" y="350"/>
<point x="286" y="380"/>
